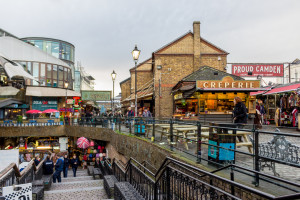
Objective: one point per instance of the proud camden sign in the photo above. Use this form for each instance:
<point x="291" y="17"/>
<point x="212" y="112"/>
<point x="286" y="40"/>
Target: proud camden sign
<point x="258" y="69"/>
<point x="228" y="82"/>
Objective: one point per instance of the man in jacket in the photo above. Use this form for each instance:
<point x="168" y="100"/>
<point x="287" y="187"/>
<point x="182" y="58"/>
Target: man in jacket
<point x="66" y="166"/>
<point x="74" y="164"/>
<point x="146" y="113"/>
<point x="48" y="166"/>
<point x="59" y="166"/>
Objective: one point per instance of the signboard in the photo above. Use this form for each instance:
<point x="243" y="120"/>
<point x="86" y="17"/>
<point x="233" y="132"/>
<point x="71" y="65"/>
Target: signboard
<point x="228" y="82"/>
<point x="66" y="110"/>
<point x="77" y="81"/>
<point x="18" y="192"/>
<point x="70" y="101"/>
<point x="44" y="103"/>
<point x="258" y="69"/>
<point x="178" y="96"/>
<point x="95" y="95"/>
<point x="7" y="157"/>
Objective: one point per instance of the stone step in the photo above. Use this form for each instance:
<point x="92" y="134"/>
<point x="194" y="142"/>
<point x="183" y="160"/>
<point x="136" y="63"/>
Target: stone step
<point x="76" y="184"/>
<point x="77" y="178"/>
<point x="92" y="193"/>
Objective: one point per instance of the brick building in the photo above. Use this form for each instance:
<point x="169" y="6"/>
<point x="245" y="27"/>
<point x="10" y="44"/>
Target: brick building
<point x="168" y="65"/>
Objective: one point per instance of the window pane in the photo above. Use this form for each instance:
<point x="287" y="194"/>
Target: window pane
<point x="61" y="84"/>
<point x="39" y="44"/>
<point x="35" y="72"/>
<point x="61" y="73"/>
<point x="54" y="83"/>
<point x="66" y="74"/>
<point x="49" y="73"/>
<point x="29" y="68"/>
<point x="55" y="49"/>
<point x="43" y="71"/>
<point x="54" y="72"/>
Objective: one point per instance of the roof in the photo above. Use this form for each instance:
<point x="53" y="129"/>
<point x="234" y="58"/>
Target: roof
<point x="9" y="101"/>
<point x="90" y="78"/>
<point x="213" y="45"/>
<point x="296" y="61"/>
<point x="209" y="73"/>
<point x="50" y="92"/>
<point x="127" y="79"/>
<point x="18" y="50"/>
<point x="7" y="33"/>
<point x="284" y="88"/>
<point x="46" y="39"/>
<point x="8" y="91"/>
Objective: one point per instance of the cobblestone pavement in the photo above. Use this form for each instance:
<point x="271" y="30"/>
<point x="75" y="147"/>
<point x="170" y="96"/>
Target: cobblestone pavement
<point x="80" y="188"/>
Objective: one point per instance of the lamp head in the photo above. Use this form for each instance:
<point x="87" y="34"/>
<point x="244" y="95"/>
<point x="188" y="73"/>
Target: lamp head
<point x="135" y="53"/>
<point x="113" y="75"/>
<point x="66" y="84"/>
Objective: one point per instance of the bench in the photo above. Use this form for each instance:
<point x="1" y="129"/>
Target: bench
<point x="124" y="190"/>
<point x="109" y="183"/>
<point x="280" y="149"/>
<point x="90" y="170"/>
<point x="97" y="172"/>
<point x="47" y="179"/>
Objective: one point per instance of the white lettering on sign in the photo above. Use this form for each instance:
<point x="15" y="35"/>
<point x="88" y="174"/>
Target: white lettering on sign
<point x="257" y="69"/>
<point x="205" y="84"/>
<point x="213" y="85"/>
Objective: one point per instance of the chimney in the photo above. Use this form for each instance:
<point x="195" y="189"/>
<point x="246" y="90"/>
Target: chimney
<point x="196" y="31"/>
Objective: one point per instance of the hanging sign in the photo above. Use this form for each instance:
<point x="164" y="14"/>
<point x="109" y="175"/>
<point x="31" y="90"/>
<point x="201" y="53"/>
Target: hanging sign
<point x="228" y="82"/>
<point x="70" y="101"/>
<point x="258" y="69"/>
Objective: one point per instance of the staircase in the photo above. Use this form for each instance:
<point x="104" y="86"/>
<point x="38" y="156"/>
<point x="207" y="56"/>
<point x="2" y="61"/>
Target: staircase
<point x="77" y="188"/>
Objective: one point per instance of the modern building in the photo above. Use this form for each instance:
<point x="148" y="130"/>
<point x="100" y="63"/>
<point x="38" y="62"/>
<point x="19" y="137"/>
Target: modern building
<point x="167" y="66"/>
<point x="47" y="81"/>
<point x="292" y="72"/>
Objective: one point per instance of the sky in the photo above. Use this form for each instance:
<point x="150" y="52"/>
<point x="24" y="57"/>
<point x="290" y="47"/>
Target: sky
<point x="104" y="32"/>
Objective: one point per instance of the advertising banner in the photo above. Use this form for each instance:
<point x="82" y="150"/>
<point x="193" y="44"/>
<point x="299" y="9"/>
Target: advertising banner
<point x="269" y="70"/>
<point x="18" y="192"/>
<point x="96" y="95"/>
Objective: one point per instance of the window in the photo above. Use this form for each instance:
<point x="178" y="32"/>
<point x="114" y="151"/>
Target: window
<point x="42" y="74"/>
<point x="38" y="43"/>
<point x="54" y="75"/>
<point x="49" y="75"/>
<point x="66" y="74"/>
<point x="55" y="49"/>
<point x="35" y="72"/>
<point x="61" y="76"/>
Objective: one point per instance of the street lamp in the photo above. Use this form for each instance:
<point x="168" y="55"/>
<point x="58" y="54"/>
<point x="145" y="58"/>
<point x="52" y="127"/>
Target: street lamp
<point x="66" y="86"/>
<point x="113" y="76"/>
<point x="135" y="54"/>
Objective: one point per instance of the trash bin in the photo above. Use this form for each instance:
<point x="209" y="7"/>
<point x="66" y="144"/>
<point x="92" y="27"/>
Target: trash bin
<point x="221" y="137"/>
<point x="139" y="126"/>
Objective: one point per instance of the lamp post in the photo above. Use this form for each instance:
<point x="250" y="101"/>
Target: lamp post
<point x="135" y="54"/>
<point x="66" y="86"/>
<point x="113" y="77"/>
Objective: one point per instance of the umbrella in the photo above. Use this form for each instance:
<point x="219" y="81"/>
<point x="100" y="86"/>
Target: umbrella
<point x="33" y="112"/>
<point x="83" y="143"/>
<point x="50" y="111"/>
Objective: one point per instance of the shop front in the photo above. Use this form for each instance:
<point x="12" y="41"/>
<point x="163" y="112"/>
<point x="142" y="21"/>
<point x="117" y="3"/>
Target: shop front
<point x="11" y="108"/>
<point x="200" y="96"/>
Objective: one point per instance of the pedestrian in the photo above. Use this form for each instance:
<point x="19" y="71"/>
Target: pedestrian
<point x="257" y="120"/>
<point x="59" y="166"/>
<point x="239" y="111"/>
<point x="74" y="164"/>
<point x="262" y="111"/>
<point x="48" y="166"/>
<point x="239" y="114"/>
<point x="97" y="163"/>
<point x="147" y="113"/>
<point x="84" y="161"/>
<point x="66" y="165"/>
<point x="130" y="112"/>
<point x="37" y="160"/>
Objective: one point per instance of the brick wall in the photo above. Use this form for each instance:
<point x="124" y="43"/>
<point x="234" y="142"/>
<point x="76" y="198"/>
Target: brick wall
<point x="125" y="88"/>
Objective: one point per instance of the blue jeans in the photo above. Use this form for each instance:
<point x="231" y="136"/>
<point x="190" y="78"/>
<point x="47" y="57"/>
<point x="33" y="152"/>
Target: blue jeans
<point x="57" y="175"/>
<point x="74" y="171"/>
<point x="65" y="171"/>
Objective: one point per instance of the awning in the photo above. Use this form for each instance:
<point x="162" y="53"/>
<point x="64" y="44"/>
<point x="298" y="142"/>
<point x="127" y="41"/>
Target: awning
<point x="8" y="91"/>
<point x="50" y="92"/>
<point x="283" y="89"/>
<point x="260" y="92"/>
<point x="9" y="101"/>
<point x="13" y="69"/>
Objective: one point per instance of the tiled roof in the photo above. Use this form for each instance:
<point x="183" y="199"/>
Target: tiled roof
<point x="209" y="73"/>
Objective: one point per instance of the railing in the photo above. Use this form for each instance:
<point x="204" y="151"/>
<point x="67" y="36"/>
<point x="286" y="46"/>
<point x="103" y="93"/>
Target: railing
<point x="11" y="174"/>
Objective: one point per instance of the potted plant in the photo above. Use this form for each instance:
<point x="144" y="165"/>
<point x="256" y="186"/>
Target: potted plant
<point x="19" y="119"/>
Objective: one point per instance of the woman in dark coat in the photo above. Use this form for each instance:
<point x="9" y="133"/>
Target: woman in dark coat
<point x="239" y="111"/>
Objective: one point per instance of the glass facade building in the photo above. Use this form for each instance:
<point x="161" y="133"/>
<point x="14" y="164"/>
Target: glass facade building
<point x="58" y="48"/>
<point x="48" y="75"/>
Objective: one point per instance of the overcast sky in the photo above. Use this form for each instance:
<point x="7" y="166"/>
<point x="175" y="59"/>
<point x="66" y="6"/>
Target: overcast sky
<point x="104" y="32"/>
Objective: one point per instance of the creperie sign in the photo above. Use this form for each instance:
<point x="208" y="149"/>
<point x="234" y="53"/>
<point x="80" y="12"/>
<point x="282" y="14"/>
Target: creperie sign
<point x="228" y="82"/>
<point x="257" y="69"/>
